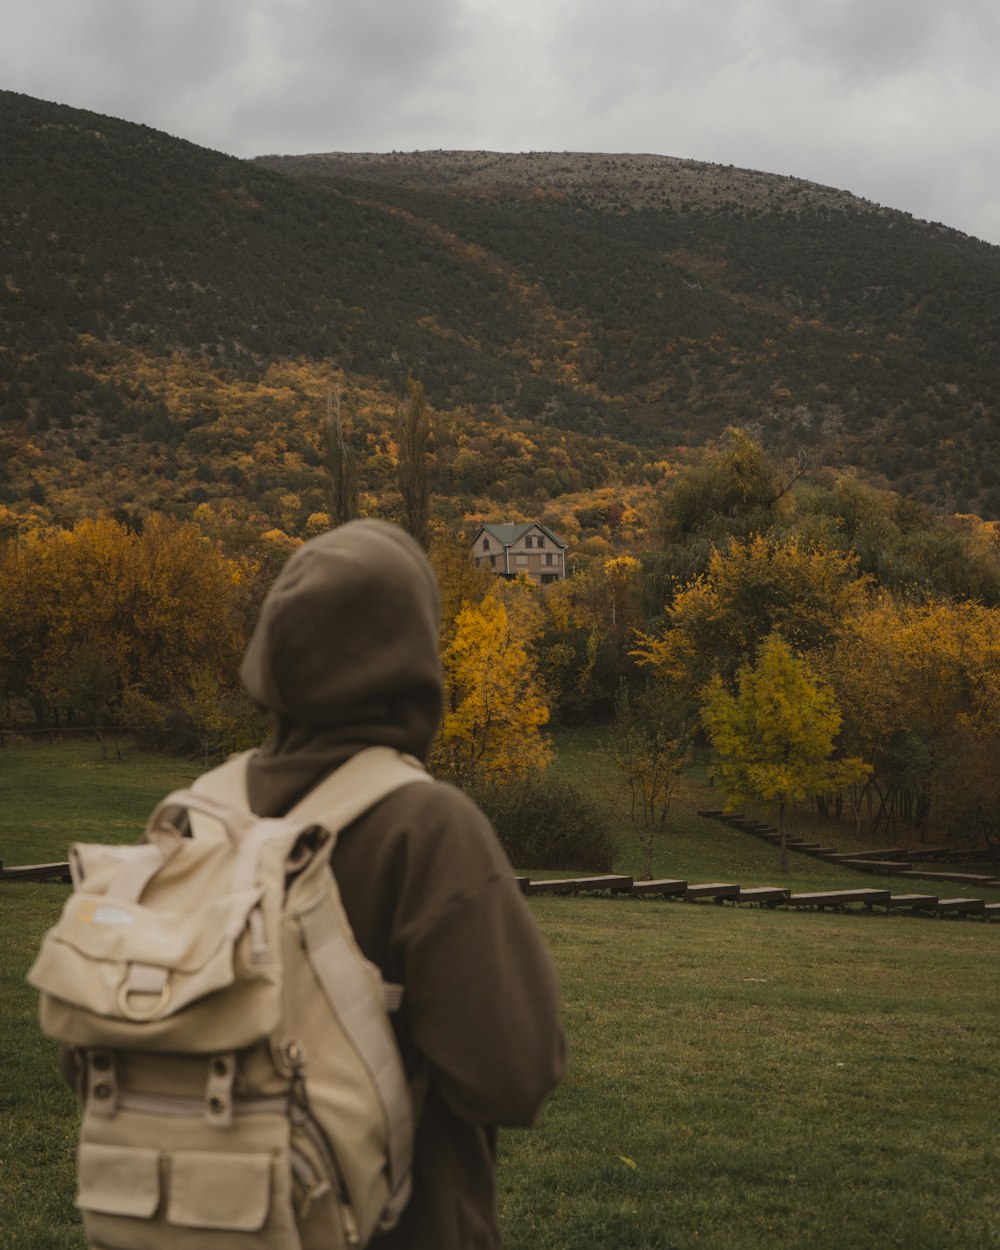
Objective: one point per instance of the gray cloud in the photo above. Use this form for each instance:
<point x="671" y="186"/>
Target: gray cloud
<point x="133" y="60"/>
<point x="894" y="100"/>
<point x="862" y="40"/>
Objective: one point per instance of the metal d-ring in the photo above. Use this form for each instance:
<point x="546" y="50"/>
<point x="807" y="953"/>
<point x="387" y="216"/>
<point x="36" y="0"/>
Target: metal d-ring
<point x="141" y="1017"/>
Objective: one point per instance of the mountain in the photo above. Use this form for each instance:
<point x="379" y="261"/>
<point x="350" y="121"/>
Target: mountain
<point x="615" y="182"/>
<point x="173" y="320"/>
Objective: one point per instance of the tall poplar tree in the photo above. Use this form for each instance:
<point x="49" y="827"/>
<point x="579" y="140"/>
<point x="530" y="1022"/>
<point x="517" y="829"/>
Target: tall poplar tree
<point x="414" y="482"/>
<point x="340" y="464"/>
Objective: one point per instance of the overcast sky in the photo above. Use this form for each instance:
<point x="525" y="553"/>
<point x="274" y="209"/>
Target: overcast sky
<point x="894" y="100"/>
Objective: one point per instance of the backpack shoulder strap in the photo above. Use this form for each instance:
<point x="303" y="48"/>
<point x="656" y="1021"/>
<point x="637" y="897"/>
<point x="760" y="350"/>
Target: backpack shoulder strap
<point x="356" y="786"/>
<point x="228" y="782"/>
<point x="339" y="798"/>
<point x="337" y="962"/>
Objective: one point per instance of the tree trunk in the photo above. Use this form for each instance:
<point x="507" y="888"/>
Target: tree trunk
<point x="782" y="835"/>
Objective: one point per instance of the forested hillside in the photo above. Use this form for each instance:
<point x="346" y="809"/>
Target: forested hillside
<point x="706" y="381"/>
<point x="174" y="321"/>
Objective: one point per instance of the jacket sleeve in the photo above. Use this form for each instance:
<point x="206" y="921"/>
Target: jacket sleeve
<point x="481" y="988"/>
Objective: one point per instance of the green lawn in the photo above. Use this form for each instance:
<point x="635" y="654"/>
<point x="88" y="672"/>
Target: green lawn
<point x="51" y="796"/>
<point x="745" y="1079"/>
<point x="739" y="1079"/>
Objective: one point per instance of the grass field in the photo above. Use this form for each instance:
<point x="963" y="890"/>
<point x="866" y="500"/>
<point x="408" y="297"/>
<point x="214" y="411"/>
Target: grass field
<point x="739" y="1079"/>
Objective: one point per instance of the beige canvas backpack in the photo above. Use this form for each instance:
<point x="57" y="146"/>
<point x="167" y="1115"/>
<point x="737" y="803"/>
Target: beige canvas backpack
<point x="242" y="1085"/>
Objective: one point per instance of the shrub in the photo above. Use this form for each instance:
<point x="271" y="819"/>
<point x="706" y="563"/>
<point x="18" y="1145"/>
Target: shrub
<point x="205" y="721"/>
<point x="545" y="823"/>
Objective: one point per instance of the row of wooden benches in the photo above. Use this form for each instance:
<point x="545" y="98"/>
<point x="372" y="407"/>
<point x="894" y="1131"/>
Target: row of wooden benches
<point x="765" y="896"/>
<point x="889" y="861"/>
<point x="716" y="891"/>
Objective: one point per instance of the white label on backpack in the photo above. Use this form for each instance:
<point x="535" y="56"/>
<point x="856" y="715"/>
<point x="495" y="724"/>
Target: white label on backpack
<point x="105" y="914"/>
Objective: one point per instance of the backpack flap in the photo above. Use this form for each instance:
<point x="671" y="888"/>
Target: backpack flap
<point x="188" y="967"/>
<point x="119" y="974"/>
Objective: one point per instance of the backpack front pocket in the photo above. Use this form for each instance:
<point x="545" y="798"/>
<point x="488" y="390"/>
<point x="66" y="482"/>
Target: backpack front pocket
<point x="116" y="1180"/>
<point x="220" y="1191"/>
<point x="139" y="1199"/>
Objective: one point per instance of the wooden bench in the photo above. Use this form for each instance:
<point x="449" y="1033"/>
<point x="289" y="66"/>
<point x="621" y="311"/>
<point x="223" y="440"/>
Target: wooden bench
<point x="35" y="872"/>
<point x="960" y="878"/>
<point x="891" y="852"/>
<point x="913" y="902"/>
<point x="838" y="899"/>
<point x="926" y="852"/>
<point x="889" y="866"/>
<point x="715" y="890"/>
<point x="960" y="906"/>
<point x="765" y="895"/>
<point x="665" y="888"/>
<point x="581" y="885"/>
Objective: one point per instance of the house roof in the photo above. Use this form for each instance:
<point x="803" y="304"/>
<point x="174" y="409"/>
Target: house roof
<point x="510" y="534"/>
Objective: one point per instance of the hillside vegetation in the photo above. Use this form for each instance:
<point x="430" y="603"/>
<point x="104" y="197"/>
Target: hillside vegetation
<point x="173" y="320"/>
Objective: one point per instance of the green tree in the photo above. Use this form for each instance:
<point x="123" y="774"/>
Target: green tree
<point x="735" y="490"/>
<point x="89" y="682"/>
<point x="804" y="592"/>
<point x="774" y="739"/>
<point x="647" y="769"/>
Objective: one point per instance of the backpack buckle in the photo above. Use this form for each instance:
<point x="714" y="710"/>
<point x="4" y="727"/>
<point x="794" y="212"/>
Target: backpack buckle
<point x="144" y="980"/>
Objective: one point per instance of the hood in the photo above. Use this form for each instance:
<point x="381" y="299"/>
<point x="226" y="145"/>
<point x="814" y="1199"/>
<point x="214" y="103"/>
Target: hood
<point x="345" y="655"/>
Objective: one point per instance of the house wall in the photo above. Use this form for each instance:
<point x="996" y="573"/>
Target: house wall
<point x="547" y="561"/>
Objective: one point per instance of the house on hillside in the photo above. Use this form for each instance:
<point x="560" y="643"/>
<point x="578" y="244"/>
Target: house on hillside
<point x="507" y="550"/>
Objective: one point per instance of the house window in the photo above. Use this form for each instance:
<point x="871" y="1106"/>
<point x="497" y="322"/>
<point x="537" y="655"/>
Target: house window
<point x="550" y="558"/>
<point x="486" y="544"/>
<point x="539" y="542"/>
<point x="493" y="562"/>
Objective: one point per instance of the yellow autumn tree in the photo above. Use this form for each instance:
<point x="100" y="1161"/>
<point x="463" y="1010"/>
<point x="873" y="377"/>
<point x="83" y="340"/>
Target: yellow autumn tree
<point x="89" y="613"/>
<point x="461" y="581"/>
<point x="919" y="687"/>
<point x="495" y="708"/>
<point x="718" y="620"/>
<point x="774" y="738"/>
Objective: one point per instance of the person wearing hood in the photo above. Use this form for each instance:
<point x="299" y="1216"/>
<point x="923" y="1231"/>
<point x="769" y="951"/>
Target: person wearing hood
<point x="345" y="655"/>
